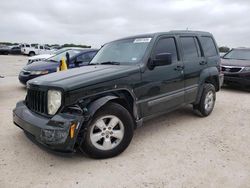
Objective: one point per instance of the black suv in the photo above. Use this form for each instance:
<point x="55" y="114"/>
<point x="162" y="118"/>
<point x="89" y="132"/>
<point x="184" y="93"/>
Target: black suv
<point x="236" y="67"/>
<point x="97" y="108"/>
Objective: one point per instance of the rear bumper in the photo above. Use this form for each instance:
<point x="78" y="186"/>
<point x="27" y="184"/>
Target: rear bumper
<point x="52" y="133"/>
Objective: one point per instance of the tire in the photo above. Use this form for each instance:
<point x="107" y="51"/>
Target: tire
<point x="102" y="141"/>
<point x="32" y="54"/>
<point x="207" y="101"/>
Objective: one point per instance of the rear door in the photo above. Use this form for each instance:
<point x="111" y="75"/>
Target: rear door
<point x="163" y="87"/>
<point x="194" y="63"/>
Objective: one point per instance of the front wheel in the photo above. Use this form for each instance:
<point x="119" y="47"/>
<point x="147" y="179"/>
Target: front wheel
<point x="207" y="102"/>
<point x="109" y="133"/>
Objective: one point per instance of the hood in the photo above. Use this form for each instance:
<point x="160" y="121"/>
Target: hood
<point x="235" y="62"/>
<point x="41" y="56"/>
<point x="84" y="76"/>
<point x="42" y="65"/>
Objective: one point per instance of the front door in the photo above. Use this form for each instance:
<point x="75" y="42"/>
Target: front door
<point x="162" y="87"/>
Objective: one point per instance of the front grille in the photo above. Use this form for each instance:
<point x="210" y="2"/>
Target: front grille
<point x="231" y="69"/>
<point x="36" y="101"/>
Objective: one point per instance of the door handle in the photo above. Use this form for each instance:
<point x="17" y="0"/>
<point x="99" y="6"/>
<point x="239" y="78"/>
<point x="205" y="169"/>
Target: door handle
<point x="179" y="68"/>
<point x="203" y="63"/>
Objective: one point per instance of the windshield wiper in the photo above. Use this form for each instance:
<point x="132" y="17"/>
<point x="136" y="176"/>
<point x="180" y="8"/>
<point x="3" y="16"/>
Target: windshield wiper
<point x="109" y="63"/>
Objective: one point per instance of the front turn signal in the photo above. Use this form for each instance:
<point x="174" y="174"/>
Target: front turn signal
<point x="72" y="130"/>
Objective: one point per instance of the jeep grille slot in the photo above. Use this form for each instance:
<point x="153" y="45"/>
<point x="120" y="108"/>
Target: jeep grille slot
<point x="36" y="100"/>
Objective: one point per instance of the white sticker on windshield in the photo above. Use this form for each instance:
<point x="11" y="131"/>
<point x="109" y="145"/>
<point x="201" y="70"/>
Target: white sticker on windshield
<point x="142" y="40"/>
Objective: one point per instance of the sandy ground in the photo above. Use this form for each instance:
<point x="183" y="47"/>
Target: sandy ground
<point x="174" y="150"/>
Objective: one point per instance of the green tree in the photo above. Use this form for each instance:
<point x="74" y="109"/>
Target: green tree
<point x="224" y="49"/>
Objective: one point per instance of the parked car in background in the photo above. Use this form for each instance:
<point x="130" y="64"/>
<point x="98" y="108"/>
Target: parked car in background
<point x="40" y="57"/>
<point x="77" y="57"/>
<point x="130" y="80"/>
<point x="15" y="50"/>
<point x="55" y="48"/>
<point x="27" y="49"/>
<point x="4" y="50"/>
<point x="46" y="56"/>
<point x="236" y="67"/>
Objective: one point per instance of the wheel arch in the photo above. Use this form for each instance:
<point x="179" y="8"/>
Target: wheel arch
<point x="208" y="76"/>
<point x="124" y="97"/>
<point x="30" y="52"/>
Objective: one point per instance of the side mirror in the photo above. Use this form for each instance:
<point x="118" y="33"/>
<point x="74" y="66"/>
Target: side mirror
<point x="161" y="60"/>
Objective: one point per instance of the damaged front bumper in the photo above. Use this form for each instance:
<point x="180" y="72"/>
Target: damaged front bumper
<point x="58" y="133"/>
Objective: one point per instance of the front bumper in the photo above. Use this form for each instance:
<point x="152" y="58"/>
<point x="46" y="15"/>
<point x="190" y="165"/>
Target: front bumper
<point x="237" y="80"/>
<point x="53" y="133"/>
<point x="25" y="78"/>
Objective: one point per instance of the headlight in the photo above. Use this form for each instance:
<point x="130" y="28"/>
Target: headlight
<point x="39" y="72"/>
<point x="246" y="69"/>
<point x="30" y="61"/>
<point x="54" y="101"/>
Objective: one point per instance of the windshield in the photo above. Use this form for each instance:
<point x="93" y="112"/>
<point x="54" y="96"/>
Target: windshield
<point x="238" y="54"/>
<point x="58" y="57"/>
<point x="122" y="51"/>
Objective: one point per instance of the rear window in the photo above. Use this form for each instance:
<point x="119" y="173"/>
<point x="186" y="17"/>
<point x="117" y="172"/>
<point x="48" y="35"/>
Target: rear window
<point x="208" y="46"/>
<point x="189" y="48"/>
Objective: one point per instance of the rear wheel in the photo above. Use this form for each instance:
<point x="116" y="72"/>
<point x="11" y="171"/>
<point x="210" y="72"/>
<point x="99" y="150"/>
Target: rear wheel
<point x="207" y="102"/>
<point x="109" y="133"/>
<point x="32" y="54"/>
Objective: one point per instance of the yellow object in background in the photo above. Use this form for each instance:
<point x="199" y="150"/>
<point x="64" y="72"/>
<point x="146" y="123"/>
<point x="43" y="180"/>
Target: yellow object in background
<point x="63" y="65"/>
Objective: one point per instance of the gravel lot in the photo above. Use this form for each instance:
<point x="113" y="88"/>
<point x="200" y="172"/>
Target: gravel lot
<point x="174" y="150"/>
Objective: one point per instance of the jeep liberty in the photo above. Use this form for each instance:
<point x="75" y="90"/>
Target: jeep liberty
<point x="96" y="108"/>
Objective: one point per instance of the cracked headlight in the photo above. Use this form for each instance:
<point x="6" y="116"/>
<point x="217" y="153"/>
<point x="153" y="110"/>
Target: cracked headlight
<point x="54" y="101"/>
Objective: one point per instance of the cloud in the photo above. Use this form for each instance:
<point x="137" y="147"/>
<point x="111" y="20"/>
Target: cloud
<point x="96" y="22"/>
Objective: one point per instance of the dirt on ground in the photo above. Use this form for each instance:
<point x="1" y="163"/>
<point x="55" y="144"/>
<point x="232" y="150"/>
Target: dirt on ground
<point x="178" y="149"/>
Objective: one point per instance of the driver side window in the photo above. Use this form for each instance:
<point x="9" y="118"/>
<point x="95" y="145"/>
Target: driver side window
<point x="167" y="45"/>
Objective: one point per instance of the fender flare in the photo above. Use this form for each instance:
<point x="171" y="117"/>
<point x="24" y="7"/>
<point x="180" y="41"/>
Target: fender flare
<point x="97" y="104"/>
<point x="206" y="73"/>
<point x="91" y="110"/>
